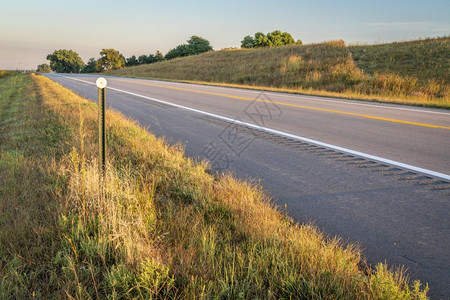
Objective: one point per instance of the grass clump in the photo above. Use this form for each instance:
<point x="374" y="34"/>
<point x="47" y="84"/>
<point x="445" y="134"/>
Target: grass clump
<point x="164" y="229"/>
<point x="410" y="73"/>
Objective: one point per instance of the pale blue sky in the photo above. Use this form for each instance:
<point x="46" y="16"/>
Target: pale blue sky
<point x="30" y="29"/>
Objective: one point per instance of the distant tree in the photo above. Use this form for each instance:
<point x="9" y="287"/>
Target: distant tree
<point x="287" y="39"/>
<point x="43" y="68"/>
<point x="248" y="42"/>
<point x="275" y="39"/>
<point x="198" y="45"/>
<point x="159" y="55"/>
<point x="65" y="61"/>
<point x="110" y="59"/>
<point x="142" y="59"/>
<point x="272" y="39"/>
<point x="90" y="67"/>
<point x="178" y="51"/>
<point x="151" y="58"/>
<point x="261" y="40"/>
<point x="195" y="45"/>
<point x="132" y="61"/>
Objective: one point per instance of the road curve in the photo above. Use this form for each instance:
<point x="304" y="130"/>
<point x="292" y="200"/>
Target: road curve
<point x="393" y="198"/>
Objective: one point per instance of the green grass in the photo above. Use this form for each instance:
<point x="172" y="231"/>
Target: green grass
<point x="329" y="69"/>
<point x="165" y="228"/>
<point x="426" y="60"/>
<point x="30" y="137"/>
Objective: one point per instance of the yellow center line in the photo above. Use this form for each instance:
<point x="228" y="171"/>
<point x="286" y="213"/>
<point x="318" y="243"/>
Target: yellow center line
<point x="291" y="105"/>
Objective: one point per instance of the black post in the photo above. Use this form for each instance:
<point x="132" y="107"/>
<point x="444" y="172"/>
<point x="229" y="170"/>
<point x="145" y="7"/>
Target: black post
<point x="102" y="129"/>
<point x="101" y="84"/>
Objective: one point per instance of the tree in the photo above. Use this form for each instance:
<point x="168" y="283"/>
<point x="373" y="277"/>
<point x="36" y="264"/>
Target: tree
<point x="159" y="55"/>
<point x="195" y="45"/>
<point x="90" y="67"/>
<point x="248" y="42"/>
<point x="132" y="61"/>
<point x="275" y="39"/>
<point x="142" y="59"/>
<point x="178" y="51"/>
<point x="151" y="59"/>
<point x="287" y="38"/>
<point x="261" y="40"/>
<point x="65" y="61"/>
<point x="110" y="59"/>
<point x="43" y="68"/>
<point x="272" y="39"/>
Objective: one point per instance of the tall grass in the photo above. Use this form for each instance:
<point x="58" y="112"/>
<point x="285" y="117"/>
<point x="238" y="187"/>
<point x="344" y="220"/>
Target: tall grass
<point x="165" y="229"/>
<point x="419" y="67"/>
<point x="327" y="68"/>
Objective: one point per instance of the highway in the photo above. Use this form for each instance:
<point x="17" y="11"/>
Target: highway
<point x="377" y="174"/>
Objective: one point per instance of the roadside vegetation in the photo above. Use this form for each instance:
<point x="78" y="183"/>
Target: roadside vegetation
<point x="165" y="229"/>
<point x="420" y="76"/>
<point x="4" y="73"/>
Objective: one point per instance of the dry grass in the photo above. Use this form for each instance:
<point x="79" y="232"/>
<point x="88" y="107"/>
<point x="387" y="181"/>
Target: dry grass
<point x="165" y="229"/>
<point x="321" y="69"/>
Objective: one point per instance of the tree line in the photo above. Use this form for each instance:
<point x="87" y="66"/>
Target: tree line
<point x="69" y="61"/>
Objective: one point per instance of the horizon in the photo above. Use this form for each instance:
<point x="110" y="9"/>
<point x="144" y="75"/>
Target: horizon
<point x="141" y="27"/>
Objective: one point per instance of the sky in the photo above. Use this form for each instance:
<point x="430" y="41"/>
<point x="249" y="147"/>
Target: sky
<point x="30" y="29"/>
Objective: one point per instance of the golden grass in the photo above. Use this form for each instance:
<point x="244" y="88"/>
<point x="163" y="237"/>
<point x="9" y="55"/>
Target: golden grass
<point x="165" y="228"/>
<point x="326" y="69"/>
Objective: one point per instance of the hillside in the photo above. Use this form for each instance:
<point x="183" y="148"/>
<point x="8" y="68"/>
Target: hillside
<point x="164" y="228"/>
<point x="324" y="69"/>
<point x="425" y="60"/>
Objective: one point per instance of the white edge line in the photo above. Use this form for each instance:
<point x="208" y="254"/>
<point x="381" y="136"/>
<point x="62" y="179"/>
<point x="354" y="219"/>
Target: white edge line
<point x="281" y="133"/>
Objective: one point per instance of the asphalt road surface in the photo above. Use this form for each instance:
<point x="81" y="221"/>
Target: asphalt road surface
<point x="377" y="174"/>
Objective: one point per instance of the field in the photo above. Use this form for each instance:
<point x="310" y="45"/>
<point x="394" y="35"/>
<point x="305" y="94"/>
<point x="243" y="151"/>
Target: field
<point x="164" y="228"/>
<point x="411" y="73"/>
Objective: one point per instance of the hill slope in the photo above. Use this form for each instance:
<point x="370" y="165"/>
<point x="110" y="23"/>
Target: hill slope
<point x="427" y="59"/>
<point x="325" y="69"/>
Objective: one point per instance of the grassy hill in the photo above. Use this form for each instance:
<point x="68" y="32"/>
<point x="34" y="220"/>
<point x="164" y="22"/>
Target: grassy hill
<point x="413" y="72"/>
<point x="164" y="229"/>
<point x="427" y="59"/>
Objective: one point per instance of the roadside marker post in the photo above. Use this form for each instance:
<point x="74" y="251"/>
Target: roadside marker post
<point x="101" y="85"/>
